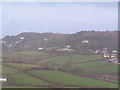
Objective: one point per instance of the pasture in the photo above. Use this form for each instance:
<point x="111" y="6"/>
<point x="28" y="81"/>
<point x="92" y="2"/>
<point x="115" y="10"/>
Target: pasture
<point x="57" y="60"/>
<point x="33" y="53"/>
<point x="20" y="65"/>
<point x="22" y="78"/>
<point x="8" y="70"/>
<point x="84" y="58"/>
<point x="90" y="64"/>
<point x="66" y="78"/>
<point x="19" y="75"/>
<point x="110" y="69"/>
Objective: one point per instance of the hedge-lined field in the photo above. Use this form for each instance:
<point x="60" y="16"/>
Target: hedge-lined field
<point x="20" y="65"/>
<point x="83" y="58"/>
<point x="22" y="78"/>
<point x="57" y="60"/>
<point x="66" y="78"/>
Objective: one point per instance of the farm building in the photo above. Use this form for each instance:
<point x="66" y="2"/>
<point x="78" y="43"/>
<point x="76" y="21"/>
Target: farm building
<point x="114" y="54"/>
<point x="39" y="49"/>
<point x="22" y="38"/>
<point x="3" y="79"/>
<point x="67" y="48"/>
<point x="113" y="60"/>
<point x="106" y="55"/>
<point x="85" y="41"/>
<point x="104" y="50"/>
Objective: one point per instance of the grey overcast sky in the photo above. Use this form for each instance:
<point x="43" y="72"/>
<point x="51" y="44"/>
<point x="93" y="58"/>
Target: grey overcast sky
<point x="58" y="17"/>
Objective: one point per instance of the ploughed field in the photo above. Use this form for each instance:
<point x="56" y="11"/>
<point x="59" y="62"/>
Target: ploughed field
<point x="60" y="71"/>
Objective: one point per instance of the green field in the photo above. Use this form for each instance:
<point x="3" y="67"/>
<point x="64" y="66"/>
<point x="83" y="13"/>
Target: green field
<point x="110" y="69"/>
<point x="20" y="65"/>
<point x="22" y="78"/>
<point x="82" y="58"/>
<point x="90" y="64"/>
<point x="66" y="78"/>
<point x="85" y="63"/>
<point x="32" y="53"/>
<point x="57" y="60"/>
<point x="8" y="70"/>
<point x="19" y="87"/>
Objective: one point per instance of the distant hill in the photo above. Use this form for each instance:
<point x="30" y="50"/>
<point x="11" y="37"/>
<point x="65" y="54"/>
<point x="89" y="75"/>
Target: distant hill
<point x="83" y="40"/>
<point x="97" y="40"/>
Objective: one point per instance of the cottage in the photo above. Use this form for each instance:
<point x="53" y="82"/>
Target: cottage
<point x="17" y="42"/>
<point x="106" y="55"/>
<point x="68" y="46"/>
<point x="45" y="39"/>
<point x="85" y="41"/>
<point x="104" y="50"/>
<point x="22" y="38"/>
<point x="10" y="45"/>
<point x="40" y="49"/>
<point x="97" y="51"/>
<point x="114" y="54"/>
<point x="66" y="49"/>
<point x="3" y="79"/>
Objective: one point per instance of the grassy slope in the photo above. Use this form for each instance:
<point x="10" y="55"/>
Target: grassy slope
<point x="32" y="53"/>
<point x="82" y="58"/>
<point x="8" y="70"/>
<point x="111" y="69"/>
<point x="90" y="64"/>
<point x="58" y="60"/>
<point x="17" y="87"/>
<point x="20" y="65"/>
<point x="66" y="78"/>
<point x="22" y="78"/>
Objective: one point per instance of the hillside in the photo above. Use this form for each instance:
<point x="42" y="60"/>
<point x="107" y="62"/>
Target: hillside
<point x="25" y="66"/>
<point x="32" y="41"/>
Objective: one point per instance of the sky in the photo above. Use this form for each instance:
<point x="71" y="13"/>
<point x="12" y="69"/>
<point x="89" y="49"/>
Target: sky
<point x="58" y="17"/>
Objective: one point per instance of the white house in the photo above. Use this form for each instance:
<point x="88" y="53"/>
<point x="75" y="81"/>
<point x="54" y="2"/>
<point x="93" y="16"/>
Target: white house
<point x="106" y="55"/>
<point x="3" y="79"/>
<point x="17" y="42"/>
<point x="85" y="41"/>
<point x="114" y="51"/>
<point x="40" y="49"/>
<point x="67" y="48"/>
<point x="104" y="50"/>
<point x="45" y="39"/>
<point x="97" y="51"/>
<point x="114" y="54"/>
<point x="10" y="45"/>
<point x="22" y="38"/>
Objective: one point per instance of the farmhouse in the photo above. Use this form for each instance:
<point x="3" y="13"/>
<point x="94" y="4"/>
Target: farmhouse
<point x="22" y="38"/>
<point x="10" y="45"/>
<point x="3" y="79"/>
<point x="104" y="50"/>
<point x="114" y="54"/>
<point x="17" y="42"/>
<point x="85" y="41"/>
<point x="40" y="48"/>
<point x="67" y="48"/>
<point x="106" y="55"/>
